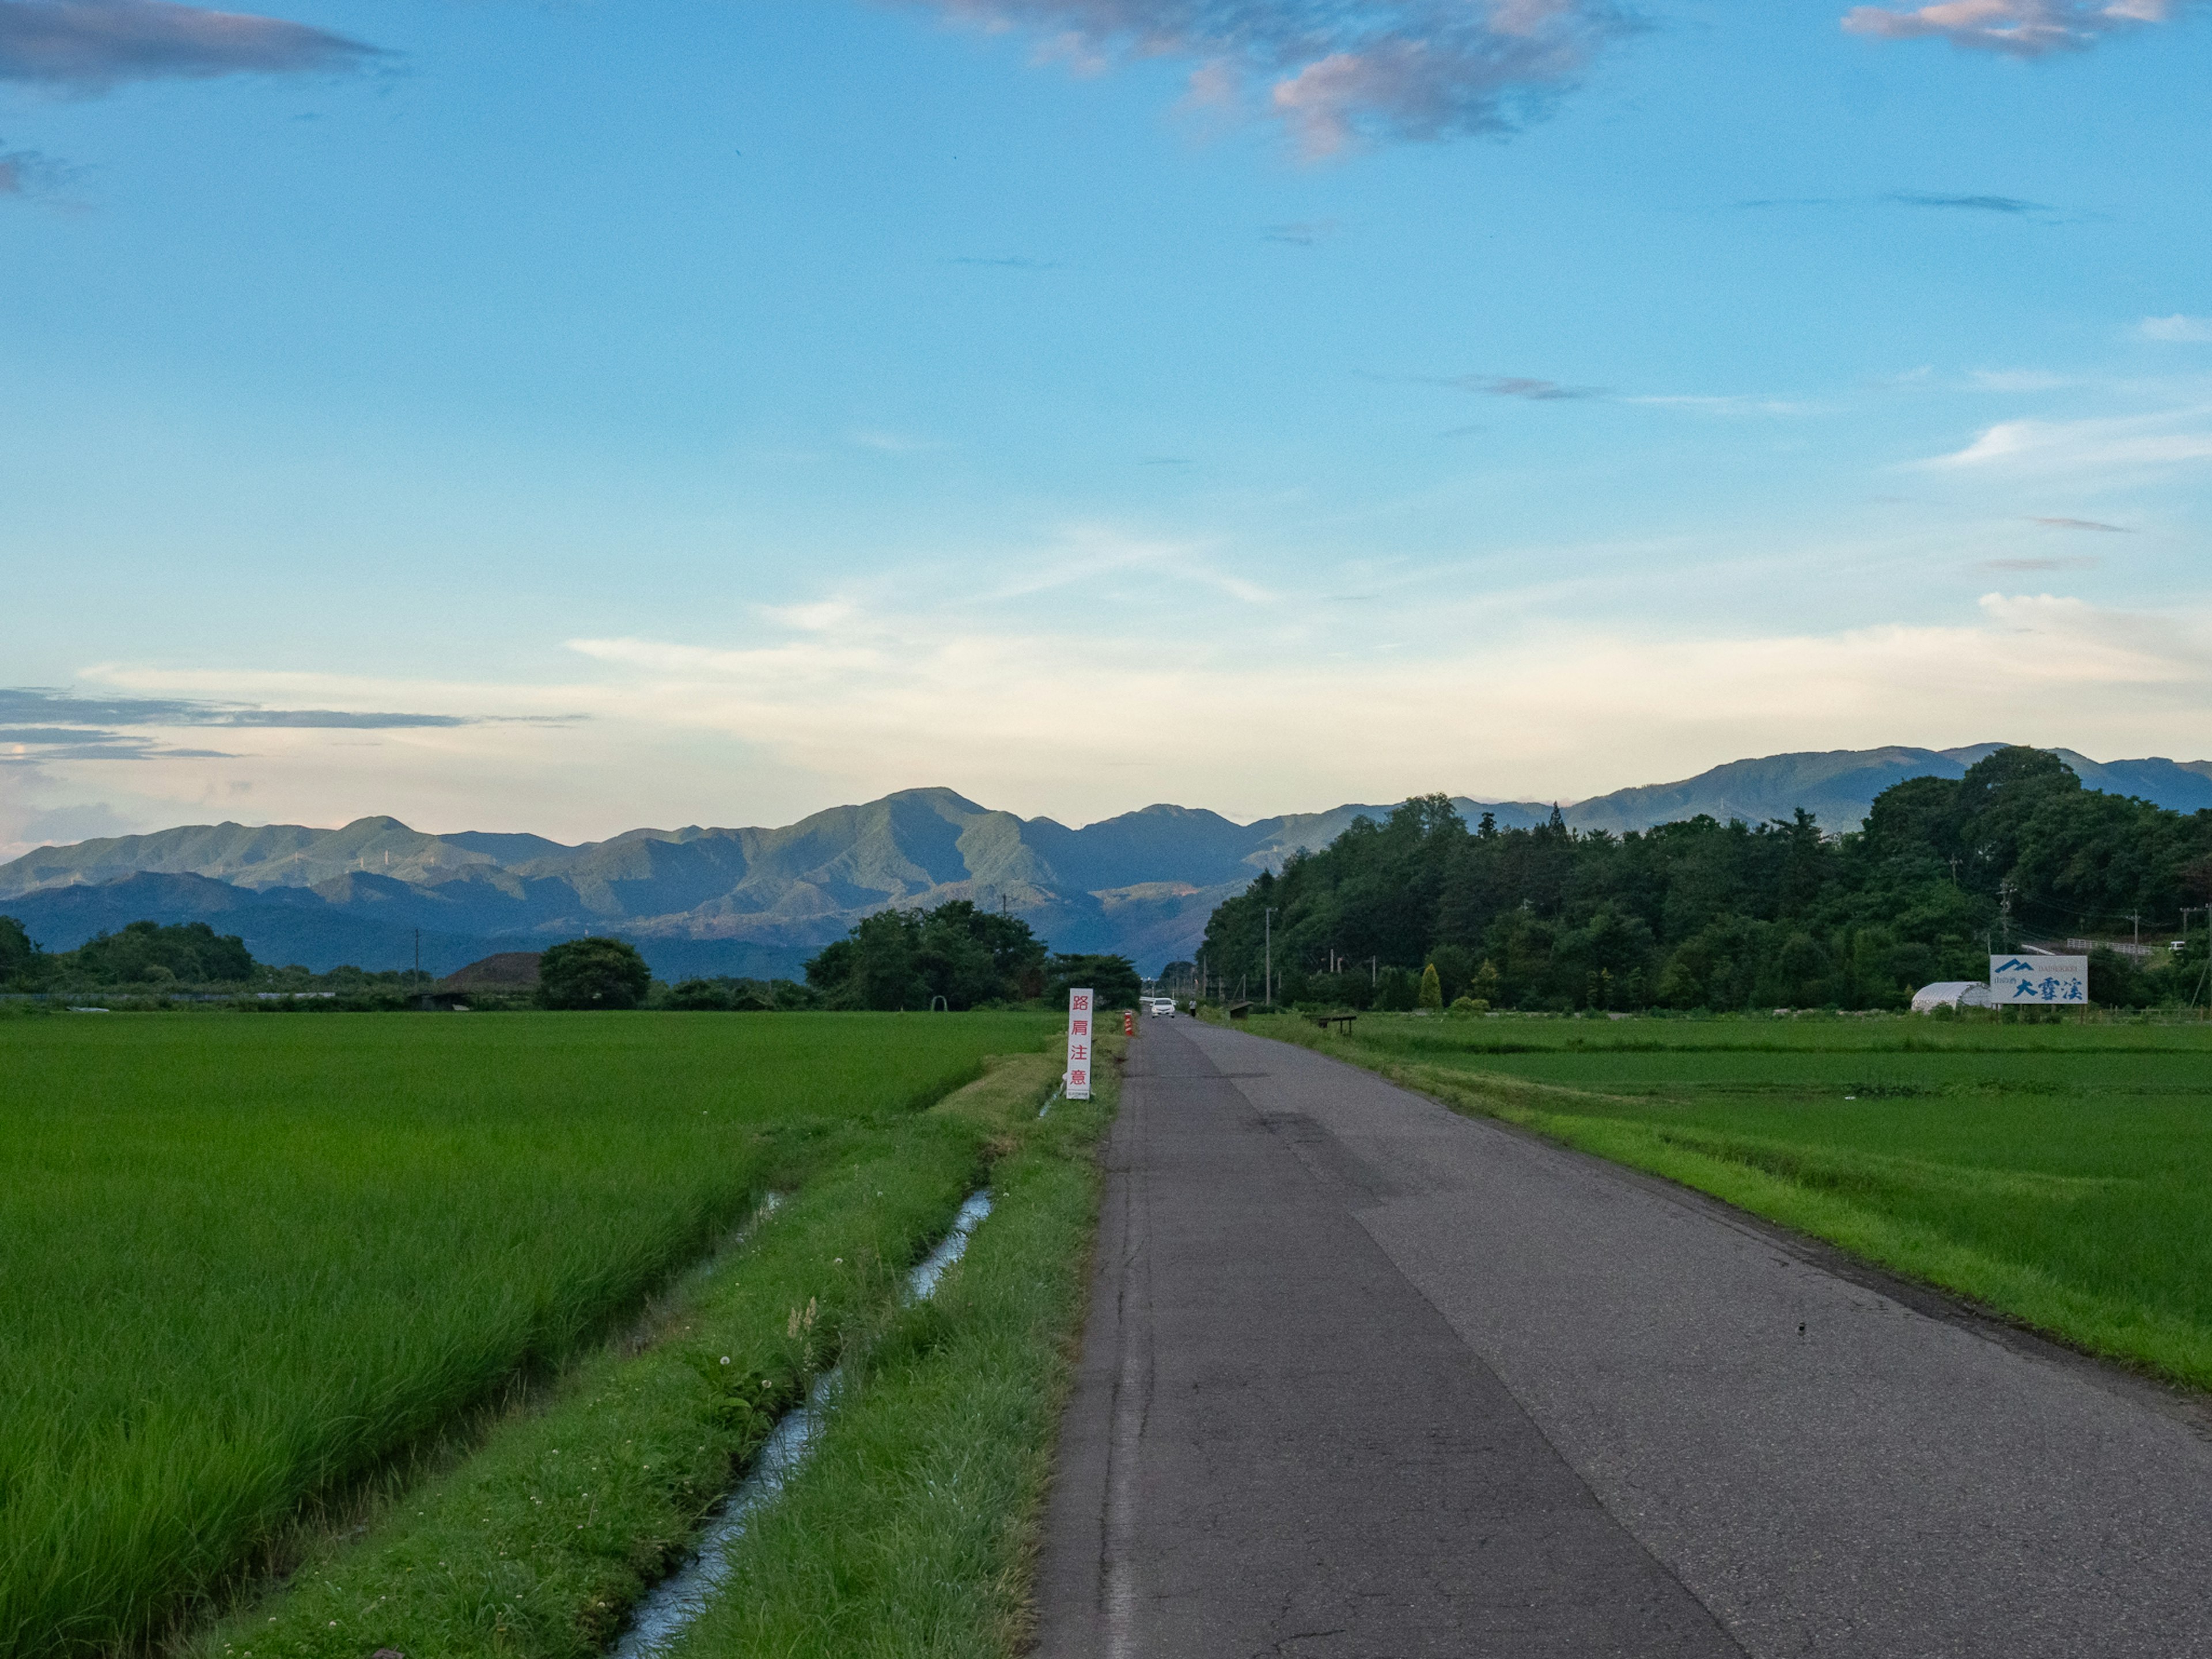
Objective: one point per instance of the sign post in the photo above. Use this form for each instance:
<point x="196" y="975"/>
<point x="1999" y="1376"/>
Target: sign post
<point x="2045" y="981"/>
<point x="1079" y="1024"/>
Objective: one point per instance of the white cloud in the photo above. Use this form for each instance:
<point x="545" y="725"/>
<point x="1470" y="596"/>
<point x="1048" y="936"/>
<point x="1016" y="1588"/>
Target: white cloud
<point x="1088" y="704"/>
<point x="1334" y="74"/>
<point x="895" y="443"/>
<point x="2178" y="329"/>
<point x="1731" y="405"/>
<point x="2017" y="28"/>
<point x="2131" y="444"/>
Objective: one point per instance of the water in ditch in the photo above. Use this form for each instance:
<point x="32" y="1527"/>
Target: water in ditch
<point x="671" y="1606"/>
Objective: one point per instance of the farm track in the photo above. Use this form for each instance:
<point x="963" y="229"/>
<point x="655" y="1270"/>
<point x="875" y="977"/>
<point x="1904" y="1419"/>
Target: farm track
<point x="1364" y="1377"/>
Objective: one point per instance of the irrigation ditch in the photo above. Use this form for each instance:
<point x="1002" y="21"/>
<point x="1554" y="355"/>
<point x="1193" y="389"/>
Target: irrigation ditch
<point x="617" y="1519"/>
<point x="674" y="1605"/>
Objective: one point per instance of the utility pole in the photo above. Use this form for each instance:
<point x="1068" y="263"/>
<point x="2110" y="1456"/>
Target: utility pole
<point x="1269" y="924"/>
<point x="2136" y="916"/>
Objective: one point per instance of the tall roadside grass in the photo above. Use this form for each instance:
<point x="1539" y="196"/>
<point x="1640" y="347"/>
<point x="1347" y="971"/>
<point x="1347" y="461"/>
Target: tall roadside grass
<point x="2054" y="1173"/>
<point x="245" y="1263"/>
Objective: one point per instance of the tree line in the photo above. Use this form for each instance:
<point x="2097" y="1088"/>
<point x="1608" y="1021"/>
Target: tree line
<point x="143" y="953"/>
<point x="956" y="956"/>
<point x="1702" y="914"/>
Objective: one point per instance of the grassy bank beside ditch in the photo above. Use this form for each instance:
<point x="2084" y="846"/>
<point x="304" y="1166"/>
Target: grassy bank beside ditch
<point x="247" y="1265"/>
<point x="2055" y="1173"/>
<point x="541" y="1542"/>
<point x="912" y="1530"/>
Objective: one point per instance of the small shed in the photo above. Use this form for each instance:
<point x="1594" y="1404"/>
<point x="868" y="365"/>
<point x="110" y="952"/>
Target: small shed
<point x="1952" y="994"/>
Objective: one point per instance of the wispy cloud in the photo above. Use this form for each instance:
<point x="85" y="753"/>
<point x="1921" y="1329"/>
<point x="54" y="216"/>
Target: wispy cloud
<point x="57" y="726"/>
<point x="2012" y="204"/>
<point x="2017" y="28"/>
<point x="1517" y="385"/>
<point x="1334" y="73"/>
<point x="2177" y="330"/>
<point x="2079" y="563"/>
<point x="2084" y="523"/>
<point x="2008" y="206"/>
<point x="90" y="45"/>
<point x="36" y="702"/>
<point x="1302" y="233"/>
<point x="893" y="443"/>
<point x="2133" y="443"/>
<point x="1710" y="404"/>
<point x="1004" y="262"/>
<point x="27" y="175"/>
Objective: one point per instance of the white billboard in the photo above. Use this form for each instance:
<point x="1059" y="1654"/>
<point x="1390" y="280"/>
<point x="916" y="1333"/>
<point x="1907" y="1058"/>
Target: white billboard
<point x="2059" y="980"/>
<point x="1080" y="1021"/>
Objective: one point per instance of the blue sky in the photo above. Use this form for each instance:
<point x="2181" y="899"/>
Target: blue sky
<point x="716" y="411"/>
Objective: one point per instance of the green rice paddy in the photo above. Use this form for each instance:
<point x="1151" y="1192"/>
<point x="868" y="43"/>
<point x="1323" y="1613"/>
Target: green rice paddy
<point x="246" y="1264"/>
<point x="2061" y="1173"/>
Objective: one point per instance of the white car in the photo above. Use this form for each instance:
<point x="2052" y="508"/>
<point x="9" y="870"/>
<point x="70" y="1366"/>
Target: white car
<point x="1160" y="1006"/>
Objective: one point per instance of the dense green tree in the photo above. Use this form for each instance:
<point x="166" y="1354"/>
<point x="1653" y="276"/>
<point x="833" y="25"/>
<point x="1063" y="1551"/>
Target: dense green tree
<point x="1705" y="915"/>
<point x="148" y="953"/>
<point x="592" y="973"/>
<point x="908" y="959"/>
<point x="1113" y="978"/>
<point x="702" y="996"/>
<point x="22" y="964"/>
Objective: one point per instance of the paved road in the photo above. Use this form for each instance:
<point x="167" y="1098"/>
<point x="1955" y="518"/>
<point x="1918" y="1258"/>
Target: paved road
<point x="1364" y="1377"/>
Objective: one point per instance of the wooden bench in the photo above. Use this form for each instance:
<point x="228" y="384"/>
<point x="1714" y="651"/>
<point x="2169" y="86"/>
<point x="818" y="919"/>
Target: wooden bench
<point x="1327" y="1020"/>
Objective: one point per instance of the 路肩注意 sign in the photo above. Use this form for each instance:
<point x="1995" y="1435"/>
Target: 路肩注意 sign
<point x="1079" y="1024"/>
<point x="2058" y="981"/>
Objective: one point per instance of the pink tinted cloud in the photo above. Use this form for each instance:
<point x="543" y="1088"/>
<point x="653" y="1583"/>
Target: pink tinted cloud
<point x="1334" y="74"/>
<point x="2018" y="29"/>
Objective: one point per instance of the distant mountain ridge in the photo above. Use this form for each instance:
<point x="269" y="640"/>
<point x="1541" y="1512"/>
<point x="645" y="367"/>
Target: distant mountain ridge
<point x="761" y="901"/>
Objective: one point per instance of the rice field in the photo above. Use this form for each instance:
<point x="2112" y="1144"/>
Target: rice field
<point x="2058" y="1173"/>
<point x="245" y="1263"/>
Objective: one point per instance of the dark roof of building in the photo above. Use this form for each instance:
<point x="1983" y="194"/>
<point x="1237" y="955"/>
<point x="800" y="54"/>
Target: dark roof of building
<point x="510" y="970"/>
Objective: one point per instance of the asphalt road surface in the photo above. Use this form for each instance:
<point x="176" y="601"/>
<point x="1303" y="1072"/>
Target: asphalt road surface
<point x="1365" y="1377"/>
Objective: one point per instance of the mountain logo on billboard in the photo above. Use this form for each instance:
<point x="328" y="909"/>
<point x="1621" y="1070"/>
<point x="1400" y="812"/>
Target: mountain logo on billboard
<point x="2014" y="966"/>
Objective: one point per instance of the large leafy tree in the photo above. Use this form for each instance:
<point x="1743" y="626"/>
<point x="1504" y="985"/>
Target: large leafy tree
<point x="592" y="973"/>
<point x="908" y="959"/>
<point x="21" y="962"/>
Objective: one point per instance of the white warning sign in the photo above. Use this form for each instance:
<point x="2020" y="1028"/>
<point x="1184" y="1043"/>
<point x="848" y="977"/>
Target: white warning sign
<point x="1079" y="1034"/>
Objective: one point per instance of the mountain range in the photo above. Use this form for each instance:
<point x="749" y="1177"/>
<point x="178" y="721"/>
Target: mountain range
<point x="759" y="902"/>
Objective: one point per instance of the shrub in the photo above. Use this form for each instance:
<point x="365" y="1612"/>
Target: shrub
<point x="701" y="995"/>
